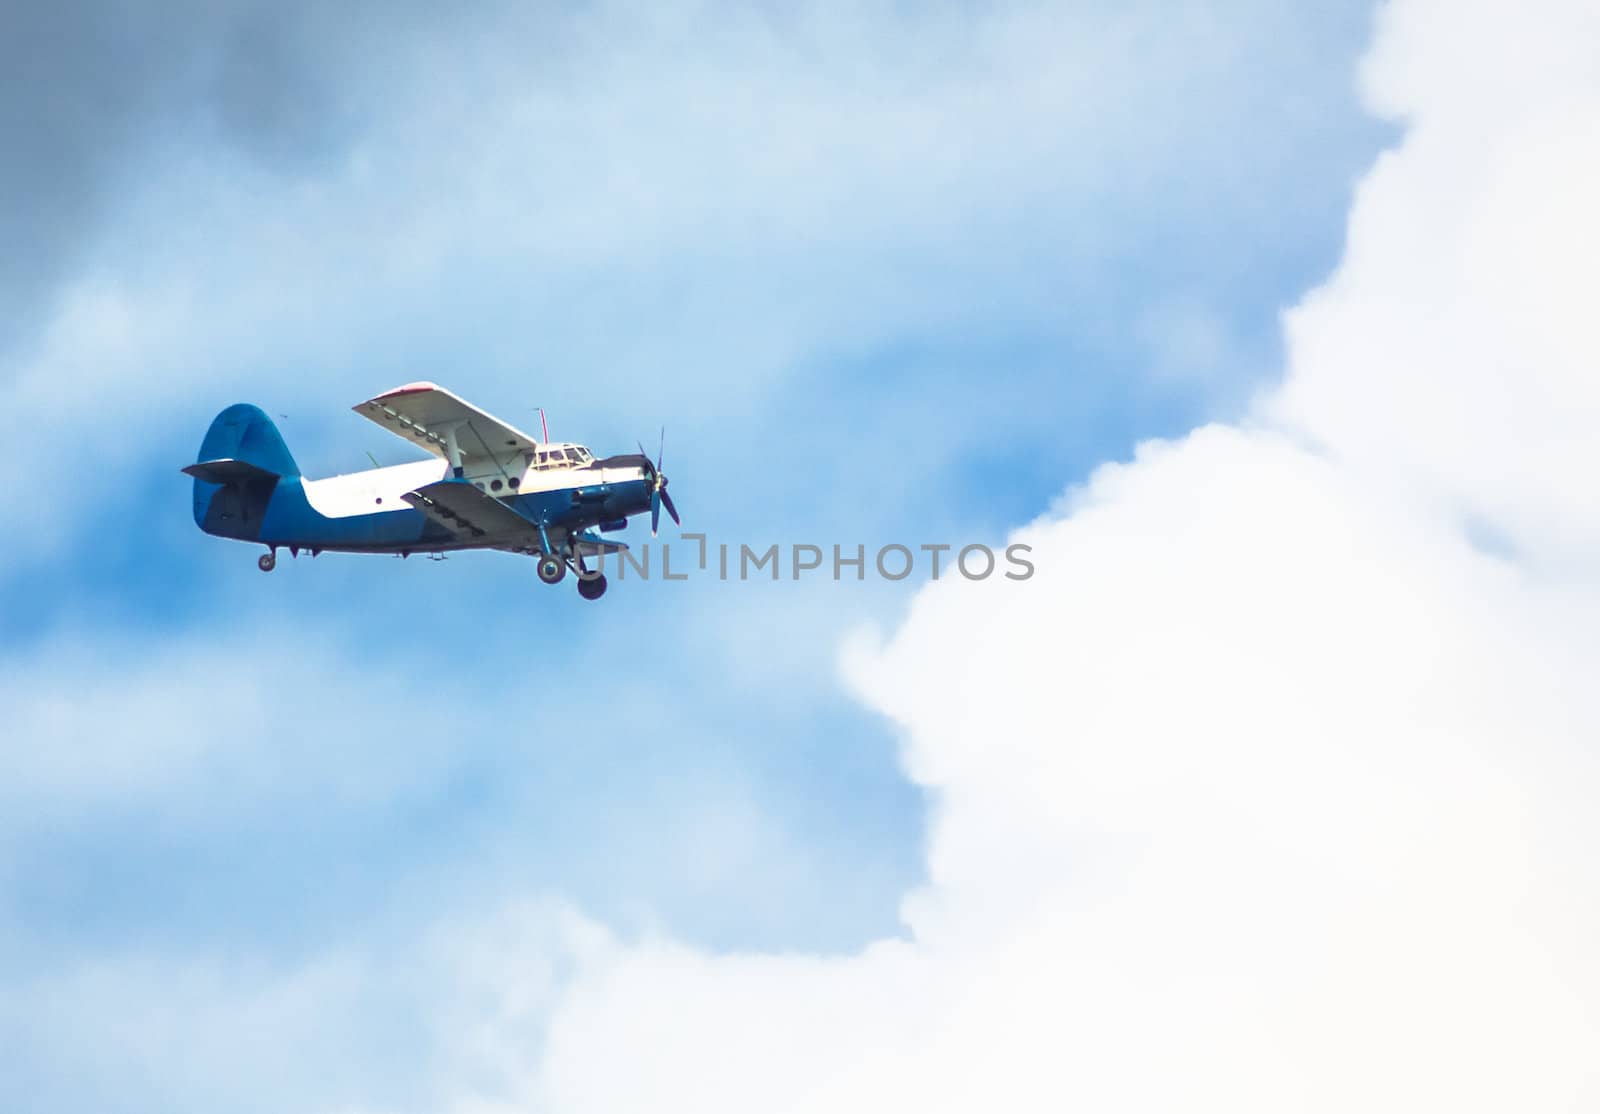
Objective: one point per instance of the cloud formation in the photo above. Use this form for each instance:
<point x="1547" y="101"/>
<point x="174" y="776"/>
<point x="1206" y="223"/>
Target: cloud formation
<point x="663" y="213"/>
<point x="91" y="94"/>
<point x="1269" y="791"/>
<point x="1273" y="791"/>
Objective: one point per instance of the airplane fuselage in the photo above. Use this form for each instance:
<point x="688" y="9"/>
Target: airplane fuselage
<point x="365" y="512"/>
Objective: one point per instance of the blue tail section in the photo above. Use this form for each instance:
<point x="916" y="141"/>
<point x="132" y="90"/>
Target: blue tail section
<point x="241" y="461"/>
<point x="244" y="433"/>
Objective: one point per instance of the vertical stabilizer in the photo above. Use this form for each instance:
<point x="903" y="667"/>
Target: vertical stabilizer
<point x="244" y="433"/>
<point x="241" y="461"/>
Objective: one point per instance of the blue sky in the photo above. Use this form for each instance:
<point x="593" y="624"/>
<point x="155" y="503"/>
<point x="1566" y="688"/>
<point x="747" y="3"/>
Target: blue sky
<point x="884" y="275"/>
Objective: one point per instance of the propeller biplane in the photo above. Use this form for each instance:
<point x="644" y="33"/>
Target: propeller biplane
<point x="489" y="486"/>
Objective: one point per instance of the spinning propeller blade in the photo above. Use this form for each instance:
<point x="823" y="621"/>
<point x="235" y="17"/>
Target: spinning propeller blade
<point x="658" y="485"/>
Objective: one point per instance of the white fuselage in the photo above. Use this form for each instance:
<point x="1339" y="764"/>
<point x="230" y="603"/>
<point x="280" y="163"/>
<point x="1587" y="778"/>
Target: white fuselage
<point x="380" y="489"/>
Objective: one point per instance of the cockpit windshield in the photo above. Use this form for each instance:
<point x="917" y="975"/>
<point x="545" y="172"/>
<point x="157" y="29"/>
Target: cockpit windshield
<point x="561" y="456"/>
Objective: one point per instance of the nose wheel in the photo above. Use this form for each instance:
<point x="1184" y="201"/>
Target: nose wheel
<point x="267" y="562"/>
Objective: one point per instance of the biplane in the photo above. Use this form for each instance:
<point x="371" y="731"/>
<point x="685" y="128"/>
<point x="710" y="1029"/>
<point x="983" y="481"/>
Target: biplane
<point x="485" y="485"/>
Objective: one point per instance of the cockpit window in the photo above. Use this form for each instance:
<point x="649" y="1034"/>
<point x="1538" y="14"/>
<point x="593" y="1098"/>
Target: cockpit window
<point x="559" y="456"/>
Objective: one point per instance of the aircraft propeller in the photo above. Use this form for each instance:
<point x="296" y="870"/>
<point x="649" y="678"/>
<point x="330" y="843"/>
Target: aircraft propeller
<point x="658" y="486"/>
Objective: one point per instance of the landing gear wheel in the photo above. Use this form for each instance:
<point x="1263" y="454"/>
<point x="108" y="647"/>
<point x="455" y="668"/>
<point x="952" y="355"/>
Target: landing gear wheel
<point x="267" y="562"/>
<point x="592" y="589"/>
<point x="552" y="569"/>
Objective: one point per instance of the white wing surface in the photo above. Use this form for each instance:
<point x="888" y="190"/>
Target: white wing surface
<point x="431" y="416"/>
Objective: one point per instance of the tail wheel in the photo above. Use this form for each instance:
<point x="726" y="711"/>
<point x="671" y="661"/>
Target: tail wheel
<point x="267" y="562"/>
<point x="592" y="588"/>
<point x="551" y="569"/>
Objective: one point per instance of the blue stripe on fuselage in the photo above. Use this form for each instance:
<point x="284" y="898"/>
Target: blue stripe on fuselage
<point x="288" y="518"/>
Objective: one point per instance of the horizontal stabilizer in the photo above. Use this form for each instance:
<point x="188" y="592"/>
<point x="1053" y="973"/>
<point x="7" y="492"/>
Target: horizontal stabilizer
<point x="228" y="471"/>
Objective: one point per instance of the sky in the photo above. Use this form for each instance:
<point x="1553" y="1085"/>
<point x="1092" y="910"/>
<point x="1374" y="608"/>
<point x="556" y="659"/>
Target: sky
<point x="1267" y="330"/>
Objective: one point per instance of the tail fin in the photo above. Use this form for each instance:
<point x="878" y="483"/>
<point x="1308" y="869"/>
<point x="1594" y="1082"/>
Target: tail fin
<point x="243" y="433"/>
<point x="241" y="461"/>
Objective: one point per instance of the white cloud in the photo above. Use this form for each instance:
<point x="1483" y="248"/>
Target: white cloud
<point x="1455" y="348"/>
<point x="1271" y="791"/>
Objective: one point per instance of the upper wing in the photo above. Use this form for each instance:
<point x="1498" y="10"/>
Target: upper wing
<point x="468" y="513"/>
<point x="427" y="413"/>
